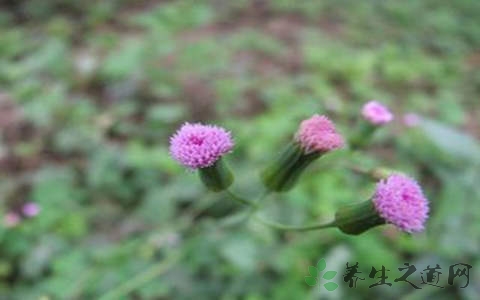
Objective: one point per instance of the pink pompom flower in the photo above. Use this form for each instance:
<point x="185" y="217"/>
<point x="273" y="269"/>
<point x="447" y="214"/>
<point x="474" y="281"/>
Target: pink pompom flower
<point x="400" y="201"/>
<point x="199" y="146"/>
<point x="411" y="119"/>
<point x="376" y="113"/>
<point x="30" y="209"/>
<point x="11" y="219"/>
<point x="318" y="134"/>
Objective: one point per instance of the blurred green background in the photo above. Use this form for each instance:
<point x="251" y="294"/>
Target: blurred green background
<point x="90" y="92"/>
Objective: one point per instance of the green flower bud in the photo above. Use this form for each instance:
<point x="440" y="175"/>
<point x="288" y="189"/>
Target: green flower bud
<point x="284" y="172"/>
<point x="216" y="177"/>
<point x="315" y="137"/>
<point x="362" y="135"/>
<point x="357" y="218"/>
<point x="374" y="114"/>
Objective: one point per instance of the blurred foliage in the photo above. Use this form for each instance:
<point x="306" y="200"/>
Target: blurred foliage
<point x="89" y="94"/>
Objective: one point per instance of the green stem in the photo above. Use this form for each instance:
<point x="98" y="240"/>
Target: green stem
<point x="240" y="199"/>
<point x="254" y="207"/>
<point x="284" y="227"/>
<point x="142" y="278"/>
<point x="259" y="202"/>
<point x="264" y="195"/>
<point x="161" y="267"/>
<point x="363" y="135"/>
<point x="359" y="170"/>
<point x="374" y="174"/>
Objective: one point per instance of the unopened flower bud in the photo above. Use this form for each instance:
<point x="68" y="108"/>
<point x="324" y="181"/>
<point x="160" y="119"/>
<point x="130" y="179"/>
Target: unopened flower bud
<point x="30" y="209"/>
<point x="315" y="137"/>
<point x="374" y="114"/>
<point x="411" y="120"/>
<point x="11" y="219"/>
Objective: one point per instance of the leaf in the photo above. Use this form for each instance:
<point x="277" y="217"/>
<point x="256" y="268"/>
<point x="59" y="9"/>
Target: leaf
<point x="313" y="271"/>
<point x="451" y="140"/>
<point x="166" y="113"/>
<point x="321" y="265"/>
<point x="124" y="61"/>
<point x="329" y="275"/>
<point x="241" y="251"/>
<point x="311" y="281"/>
<point x="330" y="286"/>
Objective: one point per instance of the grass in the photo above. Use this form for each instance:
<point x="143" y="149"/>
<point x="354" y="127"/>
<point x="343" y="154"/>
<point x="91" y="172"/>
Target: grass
<point x="89" y="95"/>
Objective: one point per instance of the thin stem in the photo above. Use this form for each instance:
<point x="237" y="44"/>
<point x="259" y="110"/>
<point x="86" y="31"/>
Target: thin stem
<point x="264" y="195"/>
<point x="254" y="206"/>
<point x="240" y="199"/>
<point x="259" y="203"/>
<point x="284" y="227"/>
<point x="142" y="278"/>
<point x="161" y="267"/>
<point x="359" y="170"/>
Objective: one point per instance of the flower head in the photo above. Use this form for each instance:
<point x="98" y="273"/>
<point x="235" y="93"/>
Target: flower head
<point x="400" y="201"/>
<point x="30" y="209"/>
<point x="376" y="113"/>
<point x="11" y="219"/>
<point x="411" y="119"/>
<point x="199" y="146"/>
<point x="318" y="134"/>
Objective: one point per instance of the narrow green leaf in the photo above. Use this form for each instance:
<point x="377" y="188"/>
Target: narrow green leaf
<point x="313" y="271"/>
<point x="451" y="140"/>
<point x="311" y="281"/>
<point x="330" y="286"/>
<point x="321" y="265"/>
<point x="329" y="275"/>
